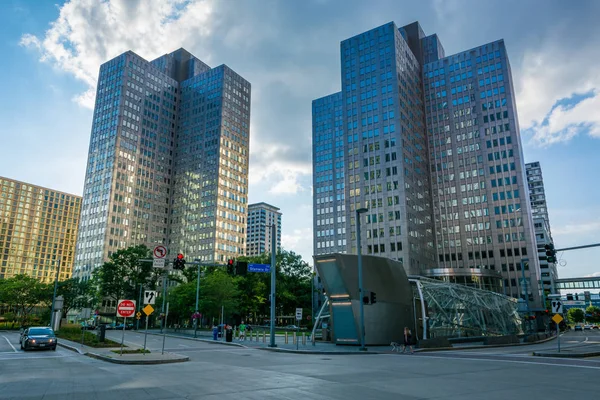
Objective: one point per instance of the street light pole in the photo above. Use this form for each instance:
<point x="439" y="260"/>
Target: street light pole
<point x="360" y="280"/>
<point x="273" y="271"/>
<point x="139" y="307"/>
<point x="163" y="325"/>
<point x="526" y="290"/>
<point x="523" y="260"/>
<point x="197" y="297"/>
<point x="54" y="295"/>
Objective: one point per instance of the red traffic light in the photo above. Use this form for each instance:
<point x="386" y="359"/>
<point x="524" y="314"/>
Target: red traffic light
<point x="180" y="256"/>
<point x="230" y="261"/>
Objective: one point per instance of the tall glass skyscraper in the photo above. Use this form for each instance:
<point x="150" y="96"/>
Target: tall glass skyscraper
<point x="168" y="160"/>
<point x="430" y="144"/>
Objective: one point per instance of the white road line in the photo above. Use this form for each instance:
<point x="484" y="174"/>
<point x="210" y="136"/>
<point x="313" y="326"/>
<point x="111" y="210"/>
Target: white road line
<point x="11" y="345"/>
<point x="512" y="361"/>
<point x="31" y="358"/>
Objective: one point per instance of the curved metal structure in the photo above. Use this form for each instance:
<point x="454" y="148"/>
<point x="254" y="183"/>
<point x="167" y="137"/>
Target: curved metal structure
<point x="429" y="307"/>
<point x="455" y="310"/>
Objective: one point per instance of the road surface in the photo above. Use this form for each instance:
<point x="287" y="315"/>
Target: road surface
<point x="217" y="372"/>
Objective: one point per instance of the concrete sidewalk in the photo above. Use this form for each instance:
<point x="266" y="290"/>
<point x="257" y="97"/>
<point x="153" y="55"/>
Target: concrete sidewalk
<point x="308" y="348"/>
<point x="107" y="354"/>
<point x="591" y="350"/>
<point x="327" y="347"/>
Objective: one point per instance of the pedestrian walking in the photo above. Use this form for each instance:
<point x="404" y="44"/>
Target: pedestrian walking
<point x="407" y="340"/>
<point x="242" y="331"/>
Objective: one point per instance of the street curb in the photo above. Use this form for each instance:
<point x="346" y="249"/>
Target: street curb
<point x="117" y="361"/>
<point x="69" y="347"/>
<point x="137" y="362"/>
<point x="487" y="347"/>
<point x="203" y="340"/>
<point x="567" y="355"/>
<point x="326" y="352"/>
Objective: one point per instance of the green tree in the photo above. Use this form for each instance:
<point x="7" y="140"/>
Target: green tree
<point x="217" y="290"/>
<point x="120" y="277"/>
<point x="595" y="314"/>
<point x="22" y="293"/>
<point x="182" y="300"/>
<point x="293" y="285"/>
<point x="576" y="315"/>
<point x="75" y="294"/>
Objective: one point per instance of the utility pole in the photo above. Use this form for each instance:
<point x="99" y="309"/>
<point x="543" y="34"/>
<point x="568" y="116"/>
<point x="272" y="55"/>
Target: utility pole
<point x="273" y="270"/>
<point x="52" y="322"/>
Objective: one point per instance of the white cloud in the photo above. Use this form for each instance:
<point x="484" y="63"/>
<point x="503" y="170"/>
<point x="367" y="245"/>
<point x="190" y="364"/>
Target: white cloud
<point x="548" y="74"/>
<point x="90" y="32"/>
<point x="575" y="229"/>
<point x="269" y="163"/>
<point x="564" y="123"/>
<point x="300" y="241"/>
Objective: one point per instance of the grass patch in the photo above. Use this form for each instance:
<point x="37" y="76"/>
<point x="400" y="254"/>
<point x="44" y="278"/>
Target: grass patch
<point x="73" y="333"/>
<point x="137" y="351"/>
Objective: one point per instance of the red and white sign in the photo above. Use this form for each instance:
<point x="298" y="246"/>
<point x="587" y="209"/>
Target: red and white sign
<point x="160" y="251"/>
<point x="125" y="308"/>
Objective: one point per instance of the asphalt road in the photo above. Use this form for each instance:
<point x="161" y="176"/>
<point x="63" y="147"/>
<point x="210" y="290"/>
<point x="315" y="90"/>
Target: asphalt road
<point x="224" y="372"/>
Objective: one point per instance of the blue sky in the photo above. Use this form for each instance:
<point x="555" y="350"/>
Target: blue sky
<point x="289" y="51"/>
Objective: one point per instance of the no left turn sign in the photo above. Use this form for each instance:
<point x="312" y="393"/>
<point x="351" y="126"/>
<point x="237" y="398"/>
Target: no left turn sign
<point x="160" y="251"/>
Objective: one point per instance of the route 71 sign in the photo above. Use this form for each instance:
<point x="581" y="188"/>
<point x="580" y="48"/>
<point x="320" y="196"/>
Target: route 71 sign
<point x="557" y="307"/>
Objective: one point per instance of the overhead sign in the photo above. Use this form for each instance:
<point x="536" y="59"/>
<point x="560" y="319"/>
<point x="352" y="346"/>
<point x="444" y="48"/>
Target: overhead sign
<point x="125" y="308"/>
<point x="160" y="251"/>
<point x="557" y="318"/>
<point x="259" y="267"/>
<point x="148" y="309"/>
<point x="158" y="263"/>
<point x="298" y="314"/>
<point x="557" y="306"/>
<point x="149" y="297"/>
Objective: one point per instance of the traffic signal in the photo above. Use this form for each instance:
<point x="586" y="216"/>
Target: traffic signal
<point x="366" y="298"/>
<point x="241" y="268"/>
<point x="373" y="298"/>
<point x="230" y="264"/>
<point x="550" y="253"/>
<point x="179" y="262"/>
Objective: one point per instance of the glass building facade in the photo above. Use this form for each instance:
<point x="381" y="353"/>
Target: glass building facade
<point x="261" y="217"/>
<point x="537" y="194"/>
<point x="432" y="149"/>
<point x="38" y="227"/>
<point x="168" y="160"/>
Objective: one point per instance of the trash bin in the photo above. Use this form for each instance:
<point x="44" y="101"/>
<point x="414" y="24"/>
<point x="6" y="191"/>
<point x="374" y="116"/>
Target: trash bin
<point x="102" y="333"/>
<point x="229" y="335"/>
